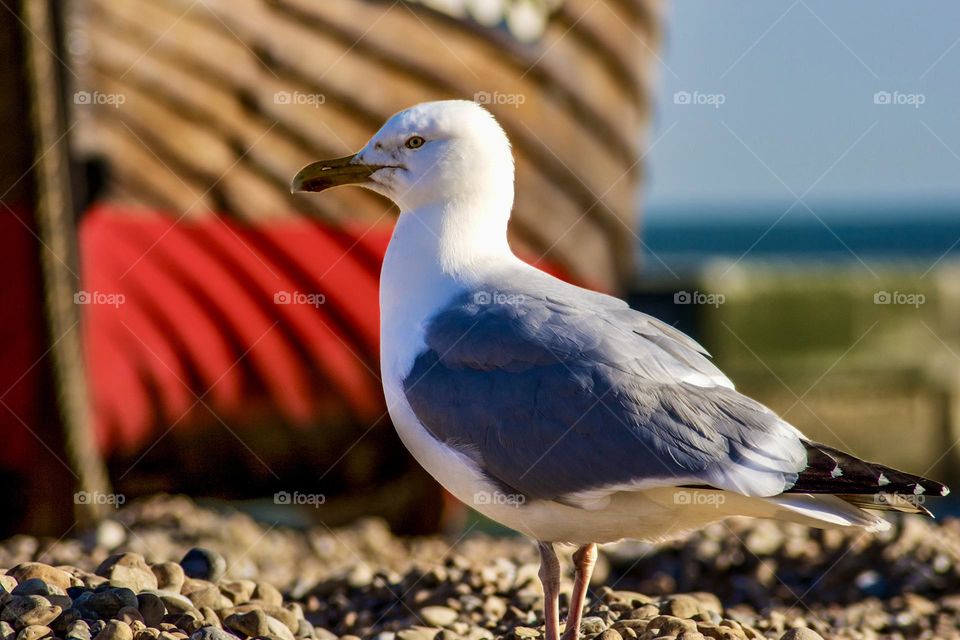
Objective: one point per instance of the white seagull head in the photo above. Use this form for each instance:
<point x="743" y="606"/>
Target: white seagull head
<point x="431" y="155"/>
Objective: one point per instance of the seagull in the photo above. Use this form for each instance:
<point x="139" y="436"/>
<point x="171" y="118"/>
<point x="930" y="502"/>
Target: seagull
<point x="558" y="411"/>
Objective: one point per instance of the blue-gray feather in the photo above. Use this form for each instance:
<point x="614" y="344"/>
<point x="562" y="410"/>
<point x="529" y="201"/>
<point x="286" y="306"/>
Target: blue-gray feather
<point x="562" y="391"/>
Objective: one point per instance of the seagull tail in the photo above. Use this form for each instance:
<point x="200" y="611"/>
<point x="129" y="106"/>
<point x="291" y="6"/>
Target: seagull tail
<point x="823" y="512"/>
<point x="838" y="489"/>
<point x="867" y="485"/>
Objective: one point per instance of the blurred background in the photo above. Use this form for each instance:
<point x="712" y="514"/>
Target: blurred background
<point x="778" y="179"/>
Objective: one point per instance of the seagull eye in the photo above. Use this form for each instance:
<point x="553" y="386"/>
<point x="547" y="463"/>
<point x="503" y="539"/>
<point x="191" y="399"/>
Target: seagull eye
<point x="414" y="142"/>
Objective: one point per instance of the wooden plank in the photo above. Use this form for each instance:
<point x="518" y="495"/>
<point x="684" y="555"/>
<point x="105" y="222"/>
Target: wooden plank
<point x="217" y="72"/>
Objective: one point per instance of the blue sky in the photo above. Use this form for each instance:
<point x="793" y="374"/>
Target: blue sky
<point x="787" y="107"/>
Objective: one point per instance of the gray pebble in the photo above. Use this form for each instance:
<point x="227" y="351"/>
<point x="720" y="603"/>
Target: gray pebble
<point x="174" y="602"/>
<point x="129" y="615"/>
<point x="105" y="603"/>
<point x="37" y="587"/>
<point x="211" y="633"/>
<point x="151" y="608"/>
<point x="203" y="564"/>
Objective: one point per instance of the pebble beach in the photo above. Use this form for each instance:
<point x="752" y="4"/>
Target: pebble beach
<point x="168" y="569"/>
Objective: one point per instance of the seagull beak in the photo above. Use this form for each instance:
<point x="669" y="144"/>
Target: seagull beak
<point x="325" y="174"/>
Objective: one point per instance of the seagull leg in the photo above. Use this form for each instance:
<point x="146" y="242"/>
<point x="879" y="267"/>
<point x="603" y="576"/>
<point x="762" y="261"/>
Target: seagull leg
<point x="550" y="579"/>
<point x="584" y="560"/>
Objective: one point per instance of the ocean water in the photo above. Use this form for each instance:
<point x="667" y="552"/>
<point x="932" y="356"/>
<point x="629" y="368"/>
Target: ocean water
<point x="682" y="238"/>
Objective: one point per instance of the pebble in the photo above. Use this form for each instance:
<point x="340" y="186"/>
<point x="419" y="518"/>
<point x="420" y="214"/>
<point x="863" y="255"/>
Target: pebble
<point x="279" y="629"/>
<point x="104" y="603"/>
<point x="169" y="575"/>
<point x="128" y="570"/>
<point x="418" y="633"/>
<point x="251" y="623"/>
<point x="591" y="625"/>
<point x="24" y="611"/>
<point x="36" y="587"/>
<point x="268" y="594"/>
<point x="438" y="616"/>
<point x="78" y="630"/>
<point x="203" y="564"/>
<point x="645" y="612"/>
<point x="174" y="602"/>
<point x="682" y="606"/>
<point x="151" y="608"/>
<point x="204" y="594"/>
<point x="305" y="631"/>
<point x="670" y="625"/>
<point x="116" y="630"/>
<point x="130" y="615"/>
<point x="211" y="633"/>
<point x="210" y="617"/>
<point x="239" y="591"/>
<point x="356" y="581"/>
<point x="35" y="632"/>
<point x="801" y="634"/>
<point x="50" y="575"/>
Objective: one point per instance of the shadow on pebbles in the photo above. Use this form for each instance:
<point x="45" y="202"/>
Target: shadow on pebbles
<point x="166" y="569"/>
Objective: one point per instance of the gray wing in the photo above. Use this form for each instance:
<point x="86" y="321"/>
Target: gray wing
<point x="566" y="395"/>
